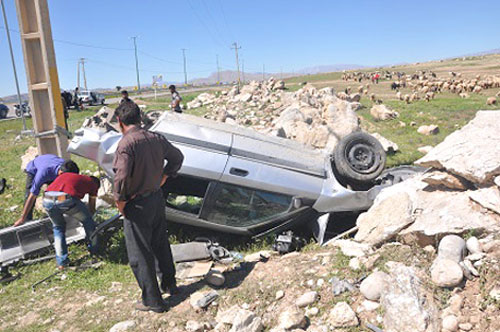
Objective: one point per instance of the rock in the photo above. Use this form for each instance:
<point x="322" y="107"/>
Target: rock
<point x="292" y="318"/>
<point x="389" y="146"/>
<point x="455" y="304"/>
<point x="279" y="295"/>
<point x="404" y="304"/>
<point x="439" y="178"/>
<point x="489" y="198"/>
<point x="200" y="300"/>
<point x="446" y="212"/>
<point x="496" y="180"/>
<point x="386" y="217"/>
<point x="467" y="264"/>
<point x="307" y="299"/>
<point x="425" y="149"/>
<point x="450" y="323"/>
<point x="311" y="312"/>
<point x="352" y="249"/>
<point x="341" y="286"/>
<point x="465" y="326"/>
<point x="382" y="113"/>
<point x="368" y="305"/>
<point x="227" y="316"/>
<point x="28" y="156"/>
<point x="258" y="256"/>
<point x="452" y="247"/>
<point x="495" y="293"/>
<point x="354" y="264"/>
<point x="473" y="245"/>
<point x="123" y="326"/>
<point x="446" y="273"/>
<point x="491" y="101"/>
<point x="194" y="326"/>
<point x="428" y="130"/>
<point x="472" y="152"/>
<point x="290" y="115"/>
<point x="215" y="278"/>
<point x="373" y="286"/>
<point x="246" y="321"/>
<point x="342" y="315"/>
<point x="341" y="119"/>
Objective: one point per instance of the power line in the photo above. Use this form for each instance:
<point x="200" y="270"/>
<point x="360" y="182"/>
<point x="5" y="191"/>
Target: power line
<point x="215" y="40"/>
<point x="159" y="59"/>
<point x="215" y="25"/>
<point x="225" y="20"/>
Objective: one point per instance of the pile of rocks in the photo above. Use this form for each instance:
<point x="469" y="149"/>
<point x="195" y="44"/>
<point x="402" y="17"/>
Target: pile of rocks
<point x="316" y="117"/>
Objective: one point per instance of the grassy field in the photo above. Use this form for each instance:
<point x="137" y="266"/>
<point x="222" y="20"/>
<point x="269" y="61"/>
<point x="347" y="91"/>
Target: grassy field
<point x="93" y="300"/>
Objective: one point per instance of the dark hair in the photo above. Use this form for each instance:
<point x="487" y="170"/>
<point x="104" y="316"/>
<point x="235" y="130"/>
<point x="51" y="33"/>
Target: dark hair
<point x="96" y="181"/>
<point x="129" y="113"/>
<point x="69" y="166"/>
<point x="171" y="87"/>
<point x="124" y="92"/>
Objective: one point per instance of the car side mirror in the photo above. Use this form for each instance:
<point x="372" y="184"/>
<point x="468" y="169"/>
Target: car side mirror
<point x="296" y="202"/>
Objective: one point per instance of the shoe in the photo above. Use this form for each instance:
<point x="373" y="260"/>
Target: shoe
<point x="172" y="290"/>
<point x="61" y="267"/>
<point x="142" y="307"/>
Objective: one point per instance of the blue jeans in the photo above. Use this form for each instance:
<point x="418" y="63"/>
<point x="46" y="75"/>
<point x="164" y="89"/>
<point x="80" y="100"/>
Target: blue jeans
<point x="77" y="209"/>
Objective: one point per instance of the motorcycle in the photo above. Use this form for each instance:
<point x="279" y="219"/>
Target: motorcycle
<point x="24" y="108"/>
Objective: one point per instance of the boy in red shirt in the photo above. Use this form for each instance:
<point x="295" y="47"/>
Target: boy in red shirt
<point x="63" y="197"/>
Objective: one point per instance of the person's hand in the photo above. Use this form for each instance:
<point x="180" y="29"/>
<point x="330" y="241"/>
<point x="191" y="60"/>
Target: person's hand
<point x="19" y="222"/>
<point x="121" y="207"/>
<point x="163" y="179"/>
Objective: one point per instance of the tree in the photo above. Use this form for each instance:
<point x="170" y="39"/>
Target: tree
<point x="118" y="88"/>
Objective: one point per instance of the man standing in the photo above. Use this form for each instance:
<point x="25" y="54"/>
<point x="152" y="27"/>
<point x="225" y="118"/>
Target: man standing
<point x="42" y="170"/>
<point x="63" y="196"/>
<point x="139" y="174"/>
<point x="125" y="96"/>
<point x="176" y="99"/>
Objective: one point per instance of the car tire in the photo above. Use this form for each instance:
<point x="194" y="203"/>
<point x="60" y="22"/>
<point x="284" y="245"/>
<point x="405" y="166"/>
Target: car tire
<point x="18" y="113"/>
<point x="359" y="158"/>
<point x="3" y="114"/>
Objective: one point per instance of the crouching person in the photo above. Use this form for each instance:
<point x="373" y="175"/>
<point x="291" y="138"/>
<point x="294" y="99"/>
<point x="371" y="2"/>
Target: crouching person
<point x="63" y="197"/>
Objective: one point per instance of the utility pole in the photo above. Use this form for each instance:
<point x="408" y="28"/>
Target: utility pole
<point x="137" y="65"/>
<point x="236" y="48"/>
<point x="218" y="68"/>
<point x="19" y="100"/>
<point x="82" y="60"/>
<point x="78" y="75"/>
<point x="185" y="70"/>
<point x="263" y="72"/>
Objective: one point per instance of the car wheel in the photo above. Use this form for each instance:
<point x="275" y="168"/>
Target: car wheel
<point x="3" y="114"/>
<point x="18" y="113"/>
<point x="359" y="158"/>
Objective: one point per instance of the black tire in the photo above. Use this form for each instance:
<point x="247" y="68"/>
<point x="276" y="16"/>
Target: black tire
<point x="3" y="114"/>
<point x="18" y="112"/>
<point x="359" y="158"/>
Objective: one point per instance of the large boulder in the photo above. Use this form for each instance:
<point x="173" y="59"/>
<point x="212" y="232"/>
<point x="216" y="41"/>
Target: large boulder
<point x="341" y="119"/>
<point x="385" y="218"/>
<point x="472" y="152"/>
<point x="374" y="285"/>
<point x="446" y="273"/>
<point x="405" y="306"/>
<point x="342" y="315"/>
<point x="389" y="146"/>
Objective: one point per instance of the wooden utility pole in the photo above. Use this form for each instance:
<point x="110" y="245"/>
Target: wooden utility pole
<point x="42" y="77"/>
<point x="236" y="48"/>
<point x="78" y="75"/>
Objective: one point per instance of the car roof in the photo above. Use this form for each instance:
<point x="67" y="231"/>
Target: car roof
<point x="240" y="142"/>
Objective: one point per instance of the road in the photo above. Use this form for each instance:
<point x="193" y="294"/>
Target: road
<point x="163" y="93"/>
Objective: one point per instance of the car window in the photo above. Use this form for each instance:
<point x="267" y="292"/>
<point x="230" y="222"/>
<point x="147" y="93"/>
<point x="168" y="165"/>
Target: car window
<point x="185" y="193"/>
<point x="242" y="207"/>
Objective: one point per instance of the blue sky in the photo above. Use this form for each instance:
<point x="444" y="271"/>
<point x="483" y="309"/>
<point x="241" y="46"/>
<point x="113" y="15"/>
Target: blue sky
<point x="287" y="35"/>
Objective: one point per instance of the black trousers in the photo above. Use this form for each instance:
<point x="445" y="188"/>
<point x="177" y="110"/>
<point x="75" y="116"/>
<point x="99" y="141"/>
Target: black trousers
<point x="146" y="238"/>
<point x="29" y="182"/>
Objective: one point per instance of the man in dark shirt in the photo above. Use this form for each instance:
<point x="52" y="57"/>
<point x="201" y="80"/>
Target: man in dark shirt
<point x="42" y="170"/>
<point x="139" y="174"/>
<point x="176" y="99"/>
<point x="63" y="197"/>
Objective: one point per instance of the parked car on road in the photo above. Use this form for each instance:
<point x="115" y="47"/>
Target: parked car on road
<point x="4" y="110"/>
<point x="237" y="181"/>
<point x="91" y="98"/>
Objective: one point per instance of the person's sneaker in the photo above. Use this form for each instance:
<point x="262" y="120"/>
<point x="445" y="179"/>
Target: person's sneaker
<point x="142" y="307"/>
<point x="172" y="290"/>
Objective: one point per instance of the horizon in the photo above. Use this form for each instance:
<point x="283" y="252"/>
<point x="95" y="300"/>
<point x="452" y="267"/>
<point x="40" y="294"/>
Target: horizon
<point x="296" y="38"/>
